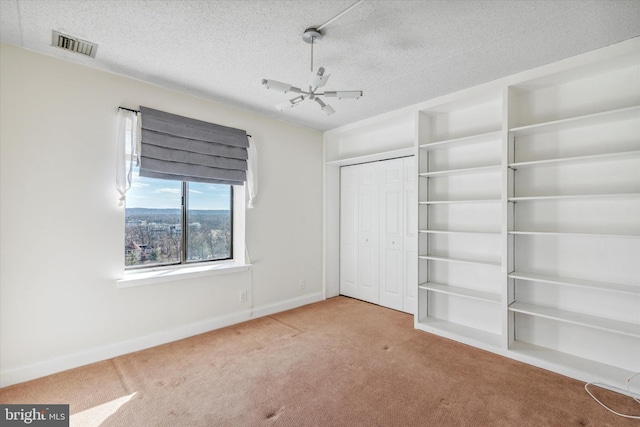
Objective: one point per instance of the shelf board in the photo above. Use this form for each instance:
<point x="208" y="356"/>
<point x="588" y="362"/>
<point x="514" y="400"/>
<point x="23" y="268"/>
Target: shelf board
<point x="466" y="334"/>
<point x="585" y="120"/>
<point x="589" y="370"/>
<point x="471" y="139"/>
<point x="601" y="323"/>
<point x="560" y="233"/>
<point x="459" y="260"/>
<point x="447" y="202"/>
<point x="481" y="233"/>
<point x="576" y="159"/>
<point x="575" y="197"/>
<point x="465" y="171"/>
<point x="385" y="155"/>
<point x="461" y="292"/>
<point x="566" y="281"/>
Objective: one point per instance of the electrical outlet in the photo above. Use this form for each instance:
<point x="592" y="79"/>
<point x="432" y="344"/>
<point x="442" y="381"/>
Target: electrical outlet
<point x="243" y="295"/>
<point x="303" y="284"/>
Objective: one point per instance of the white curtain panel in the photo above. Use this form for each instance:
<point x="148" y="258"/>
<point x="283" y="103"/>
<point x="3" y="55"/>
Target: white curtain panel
<point x="252" y="173"/>
<point x="128" y="149"/>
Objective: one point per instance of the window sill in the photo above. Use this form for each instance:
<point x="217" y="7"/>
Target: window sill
<point x="171" y="274"/>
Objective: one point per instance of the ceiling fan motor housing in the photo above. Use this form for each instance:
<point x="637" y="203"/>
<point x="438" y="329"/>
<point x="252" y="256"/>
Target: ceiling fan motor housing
<point x="311" y="35"/>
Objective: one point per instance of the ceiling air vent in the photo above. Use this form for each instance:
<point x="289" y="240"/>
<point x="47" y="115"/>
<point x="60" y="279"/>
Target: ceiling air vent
<point x="74" y="45"/>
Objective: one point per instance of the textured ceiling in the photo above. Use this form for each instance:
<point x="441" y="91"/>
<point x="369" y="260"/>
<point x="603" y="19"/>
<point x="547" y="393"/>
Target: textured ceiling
<point x="399" y="52"/>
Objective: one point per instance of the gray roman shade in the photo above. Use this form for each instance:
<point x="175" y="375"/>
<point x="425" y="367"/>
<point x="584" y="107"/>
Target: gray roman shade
<point x="183" y="149"/>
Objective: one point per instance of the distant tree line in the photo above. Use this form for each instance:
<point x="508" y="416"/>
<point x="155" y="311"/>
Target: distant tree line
<point x="154" y="236"/>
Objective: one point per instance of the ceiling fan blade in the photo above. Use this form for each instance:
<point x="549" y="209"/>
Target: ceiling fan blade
<point x="344" y="94"/>
<point x="290" y="103"/>
<point x="318" y="79"/>
<point x="326" y="108"/>
<point x="279" y="86"/>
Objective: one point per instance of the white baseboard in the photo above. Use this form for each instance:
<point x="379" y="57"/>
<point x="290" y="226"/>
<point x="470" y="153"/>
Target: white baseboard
<point x="74" y="360"/>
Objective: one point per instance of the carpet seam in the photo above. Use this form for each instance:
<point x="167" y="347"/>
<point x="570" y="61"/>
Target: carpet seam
<point x="123" y="380"/>
<point x="286" y="324"/>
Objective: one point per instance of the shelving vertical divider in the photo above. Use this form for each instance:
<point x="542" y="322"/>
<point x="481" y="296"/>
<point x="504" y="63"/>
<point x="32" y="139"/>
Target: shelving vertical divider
<point x="422" y="137"/>
<point x="508" y="287"/>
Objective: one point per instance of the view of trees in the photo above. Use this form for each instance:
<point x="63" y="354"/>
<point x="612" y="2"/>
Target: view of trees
<point x="154" y="236"/>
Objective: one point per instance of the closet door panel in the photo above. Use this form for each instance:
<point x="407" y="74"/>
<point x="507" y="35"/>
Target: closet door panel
<point x="349" y="231"/>
<point x="368" y="233"/>
<point x="392" y="210"/>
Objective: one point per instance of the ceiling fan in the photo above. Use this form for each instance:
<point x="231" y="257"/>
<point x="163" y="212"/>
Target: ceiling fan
<point x="318" y="79"/>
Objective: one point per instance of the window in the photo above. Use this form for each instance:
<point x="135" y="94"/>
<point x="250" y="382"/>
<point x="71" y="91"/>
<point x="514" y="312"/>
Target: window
<point x="188" y="207"/>
<point x="174" y="222"/>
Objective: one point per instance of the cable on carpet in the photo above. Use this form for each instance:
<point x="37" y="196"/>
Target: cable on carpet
<point x="635" y="417"/>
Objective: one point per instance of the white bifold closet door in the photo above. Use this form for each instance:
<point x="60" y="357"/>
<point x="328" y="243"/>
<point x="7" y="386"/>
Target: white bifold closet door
<point x="378" y="233"/>
<point x="368" y="233"/>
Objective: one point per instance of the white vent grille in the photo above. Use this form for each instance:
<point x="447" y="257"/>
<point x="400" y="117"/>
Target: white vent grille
<point x="74" y="45"/>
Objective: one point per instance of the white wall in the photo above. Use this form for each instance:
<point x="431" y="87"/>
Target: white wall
<point x="62" y="232"/>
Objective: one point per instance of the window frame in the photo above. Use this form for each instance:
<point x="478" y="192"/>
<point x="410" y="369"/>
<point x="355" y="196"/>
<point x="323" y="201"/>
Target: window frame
<point x="185" y="226"/>
<point x="180" y="272"/>
<point x="236" y="226"/>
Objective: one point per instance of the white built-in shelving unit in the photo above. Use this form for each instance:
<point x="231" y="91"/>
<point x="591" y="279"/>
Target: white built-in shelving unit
<point x="528" y="212"/>
<point x="460" y="216"/>
<point x="529" y="217"/>
<point x="574" y="218"/>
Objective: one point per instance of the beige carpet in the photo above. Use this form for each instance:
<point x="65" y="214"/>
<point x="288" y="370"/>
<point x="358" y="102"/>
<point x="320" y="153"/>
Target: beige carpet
<point x="340" y="362"/>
